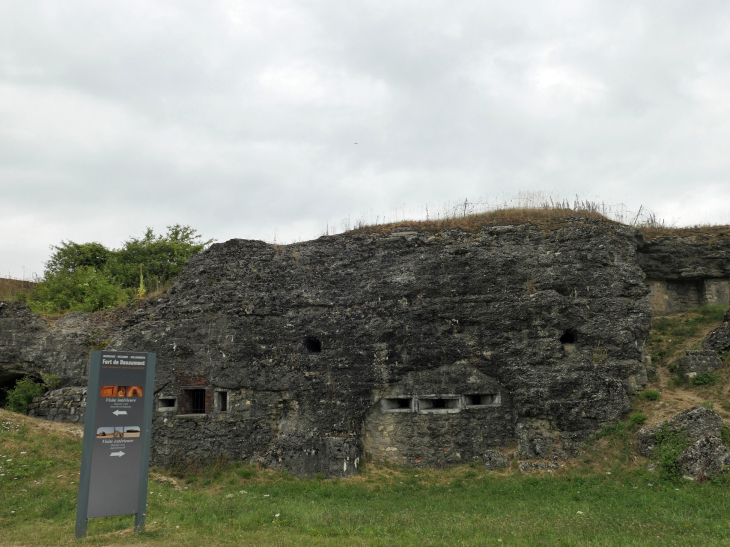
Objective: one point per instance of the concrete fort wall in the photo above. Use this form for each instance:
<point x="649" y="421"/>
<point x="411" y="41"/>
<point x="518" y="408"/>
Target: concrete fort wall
<point x="421" y="348"/>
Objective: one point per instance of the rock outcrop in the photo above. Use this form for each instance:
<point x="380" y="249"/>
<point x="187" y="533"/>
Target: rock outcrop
<point x="703" y="459"/>
<point x="719" y="339"/>
<point x="698" y="362"/>
<point x="694" y="424"/>
<point x="419" y="348"/>
<point x="31" y="345"/>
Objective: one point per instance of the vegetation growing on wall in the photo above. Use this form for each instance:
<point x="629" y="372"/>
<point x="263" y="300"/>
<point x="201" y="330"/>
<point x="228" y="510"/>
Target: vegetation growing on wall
<point x="90" y="277"/>
<point x="18" y="398"/>
<point x="670" y="335"/>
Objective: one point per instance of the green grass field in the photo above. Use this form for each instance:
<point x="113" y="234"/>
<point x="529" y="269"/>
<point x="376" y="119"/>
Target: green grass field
<point x="594" y="502"/>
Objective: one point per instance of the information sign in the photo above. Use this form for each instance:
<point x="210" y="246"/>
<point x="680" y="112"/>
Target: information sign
<point x="117" y="428"/>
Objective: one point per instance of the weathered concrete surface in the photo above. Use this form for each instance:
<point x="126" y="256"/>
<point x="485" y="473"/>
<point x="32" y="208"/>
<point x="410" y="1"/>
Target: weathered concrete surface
<point x="686" y="271"/>
<point x="494" y="459"/>
<point x="295" y="347"/>
<point x="704" y="458"/>
<point x="698" y="362"/>
<point x="31" y="345"/>
<point x="696" y="423"/>
<point x="697" y="256"/>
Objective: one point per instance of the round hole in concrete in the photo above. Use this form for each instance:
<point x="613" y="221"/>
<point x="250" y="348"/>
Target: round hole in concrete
<point x="568" y="337"/>
<point x="312" y="344"/>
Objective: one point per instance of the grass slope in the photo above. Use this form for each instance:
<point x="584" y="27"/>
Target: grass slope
<point x="606" y="498"/>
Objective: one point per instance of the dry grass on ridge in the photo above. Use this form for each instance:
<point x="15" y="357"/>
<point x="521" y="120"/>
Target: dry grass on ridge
<point x="542" y="217"/>
<point x="545" y="217"/>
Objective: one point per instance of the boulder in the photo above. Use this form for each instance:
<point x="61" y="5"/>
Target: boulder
<point x="698" y="362"/>
<point x="706" y="457"/>
<point x="696" y="423"/>
<point x="719" y="339"/>
<point x="494" y="459"/>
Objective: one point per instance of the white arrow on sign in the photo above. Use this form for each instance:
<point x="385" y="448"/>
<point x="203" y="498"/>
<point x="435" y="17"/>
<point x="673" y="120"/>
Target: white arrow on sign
<point x="118" y="412"/>
<point x="120" y="454"/>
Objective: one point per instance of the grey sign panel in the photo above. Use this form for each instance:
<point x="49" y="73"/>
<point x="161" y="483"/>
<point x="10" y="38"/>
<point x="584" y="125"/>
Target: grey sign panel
<point x="115" y="456"/>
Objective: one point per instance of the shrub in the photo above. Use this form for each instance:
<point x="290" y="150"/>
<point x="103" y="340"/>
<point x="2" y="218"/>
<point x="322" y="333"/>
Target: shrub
<point x="50" y="381"/>
<point x="83" y="289"/>
<point x="651" y="395"/>
<point x="725" y="435"/>
<point x="669" y="445"/>
<point x="22" y="394"/>
<point x="90" y="277"/>
<point x="636" y="420"/>
<point x="704" y="379"/>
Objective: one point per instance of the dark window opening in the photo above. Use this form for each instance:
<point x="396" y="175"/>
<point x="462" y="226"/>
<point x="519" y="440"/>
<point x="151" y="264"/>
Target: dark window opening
<point x="476" y="400"/>
<point x="223" y="401"/>
<point x="312" y="344"/>
<point x="397" y="403"/>
<point x="439" y="404"/>
<point x="568" y="337"/>
<point x="167" y="403"/>
<point x="197" y="401"/>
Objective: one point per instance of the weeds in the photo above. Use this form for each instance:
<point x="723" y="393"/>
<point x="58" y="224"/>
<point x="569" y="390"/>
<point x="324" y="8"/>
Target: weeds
<point x="704" y="379"/>
<point x="636" y="420"/>
<point x="725" y="435"/>
<point x="669" y="445"/>
<point x="670" y="335"/>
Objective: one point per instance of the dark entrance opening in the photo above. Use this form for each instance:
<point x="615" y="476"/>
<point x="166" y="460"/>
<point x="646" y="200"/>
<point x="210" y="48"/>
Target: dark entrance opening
<point x="439" y="403"/>
<point x="397" y="404"/>
<point x="312" y="344"/>
<point x="7" y="383"/>
<point x="197" y="401"/>
<point x="568" y="337"/>
<point x="223" y="401"/>
<point x="478" y="400"/>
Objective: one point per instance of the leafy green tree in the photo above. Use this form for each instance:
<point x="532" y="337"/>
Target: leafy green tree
<point x="90" y="277"/>
<point x="83" y="289"/>
<point x="159" y="257"/>
<point x="70" y="255"/>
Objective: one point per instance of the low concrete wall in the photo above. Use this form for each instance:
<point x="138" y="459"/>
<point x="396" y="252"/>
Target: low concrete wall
<point x="67" y="404"/>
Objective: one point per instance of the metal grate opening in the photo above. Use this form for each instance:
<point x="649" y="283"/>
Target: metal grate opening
<point x="197" y="401"/>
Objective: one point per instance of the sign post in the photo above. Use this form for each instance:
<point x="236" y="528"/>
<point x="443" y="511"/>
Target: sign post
<point x="117" y="434"/>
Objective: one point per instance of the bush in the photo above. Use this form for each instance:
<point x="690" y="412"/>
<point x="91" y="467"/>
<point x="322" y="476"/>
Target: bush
<point x="651" y="395"/>
<point x="90" y="277"/>
<point x="636" y="420"/>
<point x="725" y="435"/>
<point x="83" y="289"/>
<point x="669" y="445"/>
<point x="22" y="394"/>
<point x="704" y="379"/>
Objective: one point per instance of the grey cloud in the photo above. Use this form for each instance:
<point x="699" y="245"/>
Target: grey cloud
<point x="241" y="117"/>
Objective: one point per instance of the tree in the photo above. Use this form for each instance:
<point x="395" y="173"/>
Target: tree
<point x="70" y="255"/>
<point x="90" y="277"/>
<point x="161" y="258"/>
<point x="83" y="289"/>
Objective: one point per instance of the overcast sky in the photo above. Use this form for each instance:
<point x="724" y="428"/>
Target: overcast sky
<point x="241" y="118"/>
